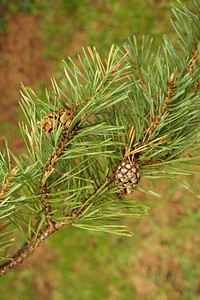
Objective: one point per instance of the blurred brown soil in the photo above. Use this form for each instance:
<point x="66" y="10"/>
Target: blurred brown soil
<point x="22" y="61"/>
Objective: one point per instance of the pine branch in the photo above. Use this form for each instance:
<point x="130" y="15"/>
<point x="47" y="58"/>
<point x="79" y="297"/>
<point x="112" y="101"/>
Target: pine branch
<point x="161" y="125"/>
<point x="107" y="125"/>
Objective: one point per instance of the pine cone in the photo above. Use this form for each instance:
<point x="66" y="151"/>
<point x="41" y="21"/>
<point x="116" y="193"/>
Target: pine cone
<point x="127" y="175"/>
<point x="62" y="117"/>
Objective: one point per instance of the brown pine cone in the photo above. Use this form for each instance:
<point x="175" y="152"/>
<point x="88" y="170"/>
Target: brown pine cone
<point x="127" y="175"/>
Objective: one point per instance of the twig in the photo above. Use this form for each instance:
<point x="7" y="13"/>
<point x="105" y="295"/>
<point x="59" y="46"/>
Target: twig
<point x="191" y="64"/>
<point x="193" y="60"/>
<point x="29" y="248"/>
<point x="155" y="123"/>
<point x="7" y="183"/>
<point x="48" y="169"/>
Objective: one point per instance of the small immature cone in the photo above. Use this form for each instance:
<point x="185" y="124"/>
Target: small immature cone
<point x="127" y="175"/>
<point x="62" y="117"/>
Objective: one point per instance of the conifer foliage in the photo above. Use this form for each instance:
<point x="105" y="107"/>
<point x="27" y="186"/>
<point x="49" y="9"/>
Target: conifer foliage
<point x="109" y="123"/>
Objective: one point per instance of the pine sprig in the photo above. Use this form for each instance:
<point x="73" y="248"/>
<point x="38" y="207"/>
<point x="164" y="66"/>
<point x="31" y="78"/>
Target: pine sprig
<point x="108" y="124"/>
<point x="164" y="102"/>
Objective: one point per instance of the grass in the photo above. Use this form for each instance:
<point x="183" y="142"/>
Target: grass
<point x="101" y="24"/>
<point x="162" y="260"/>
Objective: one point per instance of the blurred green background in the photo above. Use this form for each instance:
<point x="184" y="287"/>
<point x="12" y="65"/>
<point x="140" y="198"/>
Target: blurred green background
<point x="162" y="260"/>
